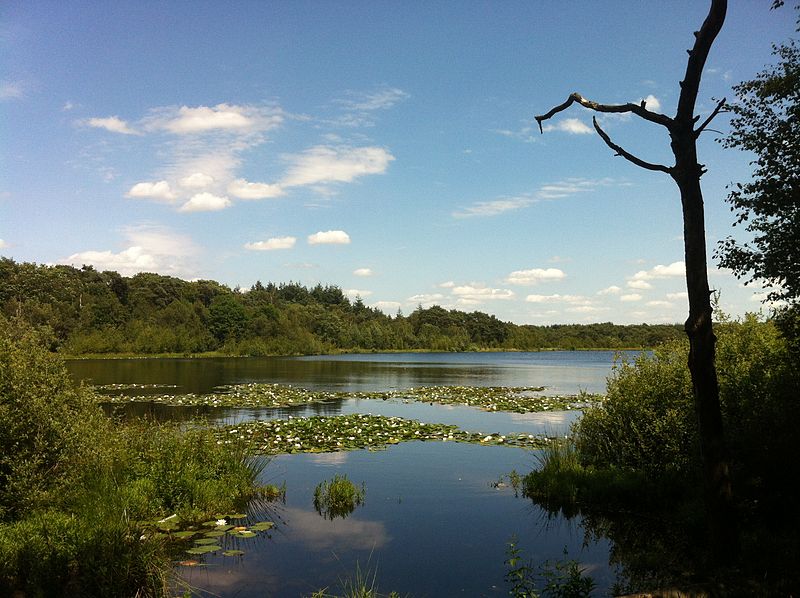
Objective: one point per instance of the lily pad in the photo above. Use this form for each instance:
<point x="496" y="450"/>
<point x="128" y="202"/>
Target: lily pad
<point x="244" y="534"/>
<point x="204" y="549"/>
<point x="214" y="534"/>
<point x="184" y="535"/>
<point x="233" y="553"/>
<point x="237" y="516"/>
<point x="205" y="541"/>
<point x="262" y="526"/>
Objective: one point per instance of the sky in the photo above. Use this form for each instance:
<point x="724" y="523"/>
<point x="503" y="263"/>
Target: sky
<point x="388" y="148"/>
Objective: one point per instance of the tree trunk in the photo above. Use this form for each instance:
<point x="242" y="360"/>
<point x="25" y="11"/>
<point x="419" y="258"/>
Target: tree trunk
<point x="716" y="468"/>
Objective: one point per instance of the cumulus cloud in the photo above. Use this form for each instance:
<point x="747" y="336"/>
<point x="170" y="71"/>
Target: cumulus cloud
<point x="388" y="307"/>
<point x="220" y="118"/>
<point x="679" y="295"/>
<point x="426" y="299"/>
<point x="641" y="285"/>
<point x="272" y="244"/>
<point x="672" y="270"/>
<point x="152" y="190"/>
<point x="652" y="103"/>
<point x="363" y="272"/>
<point x="205" y="202"/>
<point x="534" y="276"/>
<point x="330" y="237"/>
<point x="327" y="164"/>
<point x="113" y="124"/>
<point x="148" y="249"/>
<point x="631" y="297"/>
<point x="472" y="294"/>
<point x="556" y="298"/>
<point x="246" y="190"/>
<point x="612" y="290"/>
<point x="573" y="126"/>
<point x="658" y="303"/>
<point x="197" y="180"/>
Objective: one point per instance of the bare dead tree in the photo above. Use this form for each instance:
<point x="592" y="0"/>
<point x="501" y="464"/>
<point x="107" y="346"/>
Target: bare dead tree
<point x="686" y="173"/>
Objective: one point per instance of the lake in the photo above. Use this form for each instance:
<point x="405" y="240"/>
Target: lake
<point x="434" y="521"/>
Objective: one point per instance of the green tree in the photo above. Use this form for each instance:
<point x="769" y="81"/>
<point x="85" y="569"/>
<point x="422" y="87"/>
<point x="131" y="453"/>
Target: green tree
<point x="766" y="122"/>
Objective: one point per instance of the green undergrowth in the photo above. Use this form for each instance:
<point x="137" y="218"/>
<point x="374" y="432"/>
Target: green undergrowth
<point x="258" y="395"/>
<point x="77" y="487"/>
<point x="321" y="434"/>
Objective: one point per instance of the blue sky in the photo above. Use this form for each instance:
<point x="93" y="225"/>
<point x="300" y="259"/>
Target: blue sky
<point x="385" y="147"/>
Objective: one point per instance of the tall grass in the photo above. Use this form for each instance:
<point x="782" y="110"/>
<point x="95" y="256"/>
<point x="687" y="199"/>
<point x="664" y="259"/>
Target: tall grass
<point x="76" y="488"/>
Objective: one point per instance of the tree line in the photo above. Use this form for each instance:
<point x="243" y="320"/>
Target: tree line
<point x="93" y="312"/>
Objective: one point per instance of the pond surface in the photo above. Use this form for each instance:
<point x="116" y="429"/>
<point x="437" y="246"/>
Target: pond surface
<point x="433" y="522"/>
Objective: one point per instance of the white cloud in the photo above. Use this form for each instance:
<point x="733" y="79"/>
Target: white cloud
<point x="641" y="285"/>
<point x="587" y="309"/>
<point x="388" y="307"/>
<point x="572" y="126"/>
<point x="220" y="118"/>
<point x="363" y="272"/>
<point x="473" y="294"/>
<point x="205" y="202"/>
<point x="331" y="237"/>
<point x="447" y="285"/>
<point x="612" y="290"/>
<point x="272" y="244"/>
<point x="150" y="190"/>
<point x="3" y="244"/>
<point x="631" y="297"/>
<point x="380" y="99"/>
<point x="534" y="276"/>
<point x="246" y="190"/>
<point x="659" y="303"/>
<point x="197" y="180"/>
<point x="556" y="298"/>
<point x="426" y="299"/>
<point x="11" y="90"/>
<point x="672" y="270"/>
<point x="149" y="249"/>
<point x="113" y="124"/>
<point x="652" y="103"/>
<point x="555" y="190"/>
<point x="495" y="207"/>
<point x="327" y="164"/>
<point x="680" y="295"/>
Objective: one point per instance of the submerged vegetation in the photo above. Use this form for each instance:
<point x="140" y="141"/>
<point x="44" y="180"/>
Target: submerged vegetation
<point x="102" y="313"/>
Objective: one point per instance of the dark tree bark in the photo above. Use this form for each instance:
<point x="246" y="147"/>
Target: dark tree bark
<point x="686" y="173"/>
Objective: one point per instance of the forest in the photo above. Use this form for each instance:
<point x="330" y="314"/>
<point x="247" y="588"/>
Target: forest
<point x="89" y="312"/>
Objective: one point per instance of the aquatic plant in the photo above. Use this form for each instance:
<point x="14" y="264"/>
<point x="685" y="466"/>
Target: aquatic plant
<point x="320" y="434"/>
<point x="338" y="497"/>
<point x="516" y="399"/>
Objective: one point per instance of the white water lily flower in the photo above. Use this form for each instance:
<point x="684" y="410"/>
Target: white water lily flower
<point x="488" y="438"/>
<point x="221" y="522"/>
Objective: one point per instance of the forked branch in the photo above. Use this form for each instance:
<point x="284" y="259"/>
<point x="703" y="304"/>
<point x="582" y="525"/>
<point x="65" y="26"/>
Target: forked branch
<point x="637" y="109"/>
<point x="626" y="154"/>
<point x="706" y="122"/>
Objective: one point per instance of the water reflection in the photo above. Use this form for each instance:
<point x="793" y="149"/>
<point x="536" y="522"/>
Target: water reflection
<point x="562" y="372"/>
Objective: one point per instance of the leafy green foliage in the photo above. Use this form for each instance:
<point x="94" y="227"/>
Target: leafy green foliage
<point x="75" y="487"/>
<point x="92" y="312"/>
<point x="767" y="123"/>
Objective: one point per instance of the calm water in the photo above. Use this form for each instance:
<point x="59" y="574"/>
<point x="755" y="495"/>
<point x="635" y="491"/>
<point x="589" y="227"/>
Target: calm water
<point x="432" y="524"/>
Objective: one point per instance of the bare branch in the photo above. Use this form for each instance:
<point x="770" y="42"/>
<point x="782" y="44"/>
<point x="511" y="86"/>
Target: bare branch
<point x="637" y="109"/>
<point x="626" y="154"/>
<point x="706" y="122"/>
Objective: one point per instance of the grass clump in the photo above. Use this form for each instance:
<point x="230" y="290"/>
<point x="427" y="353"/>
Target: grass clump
<point x="76" y="487"/>
<point x="338" y="497"/>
